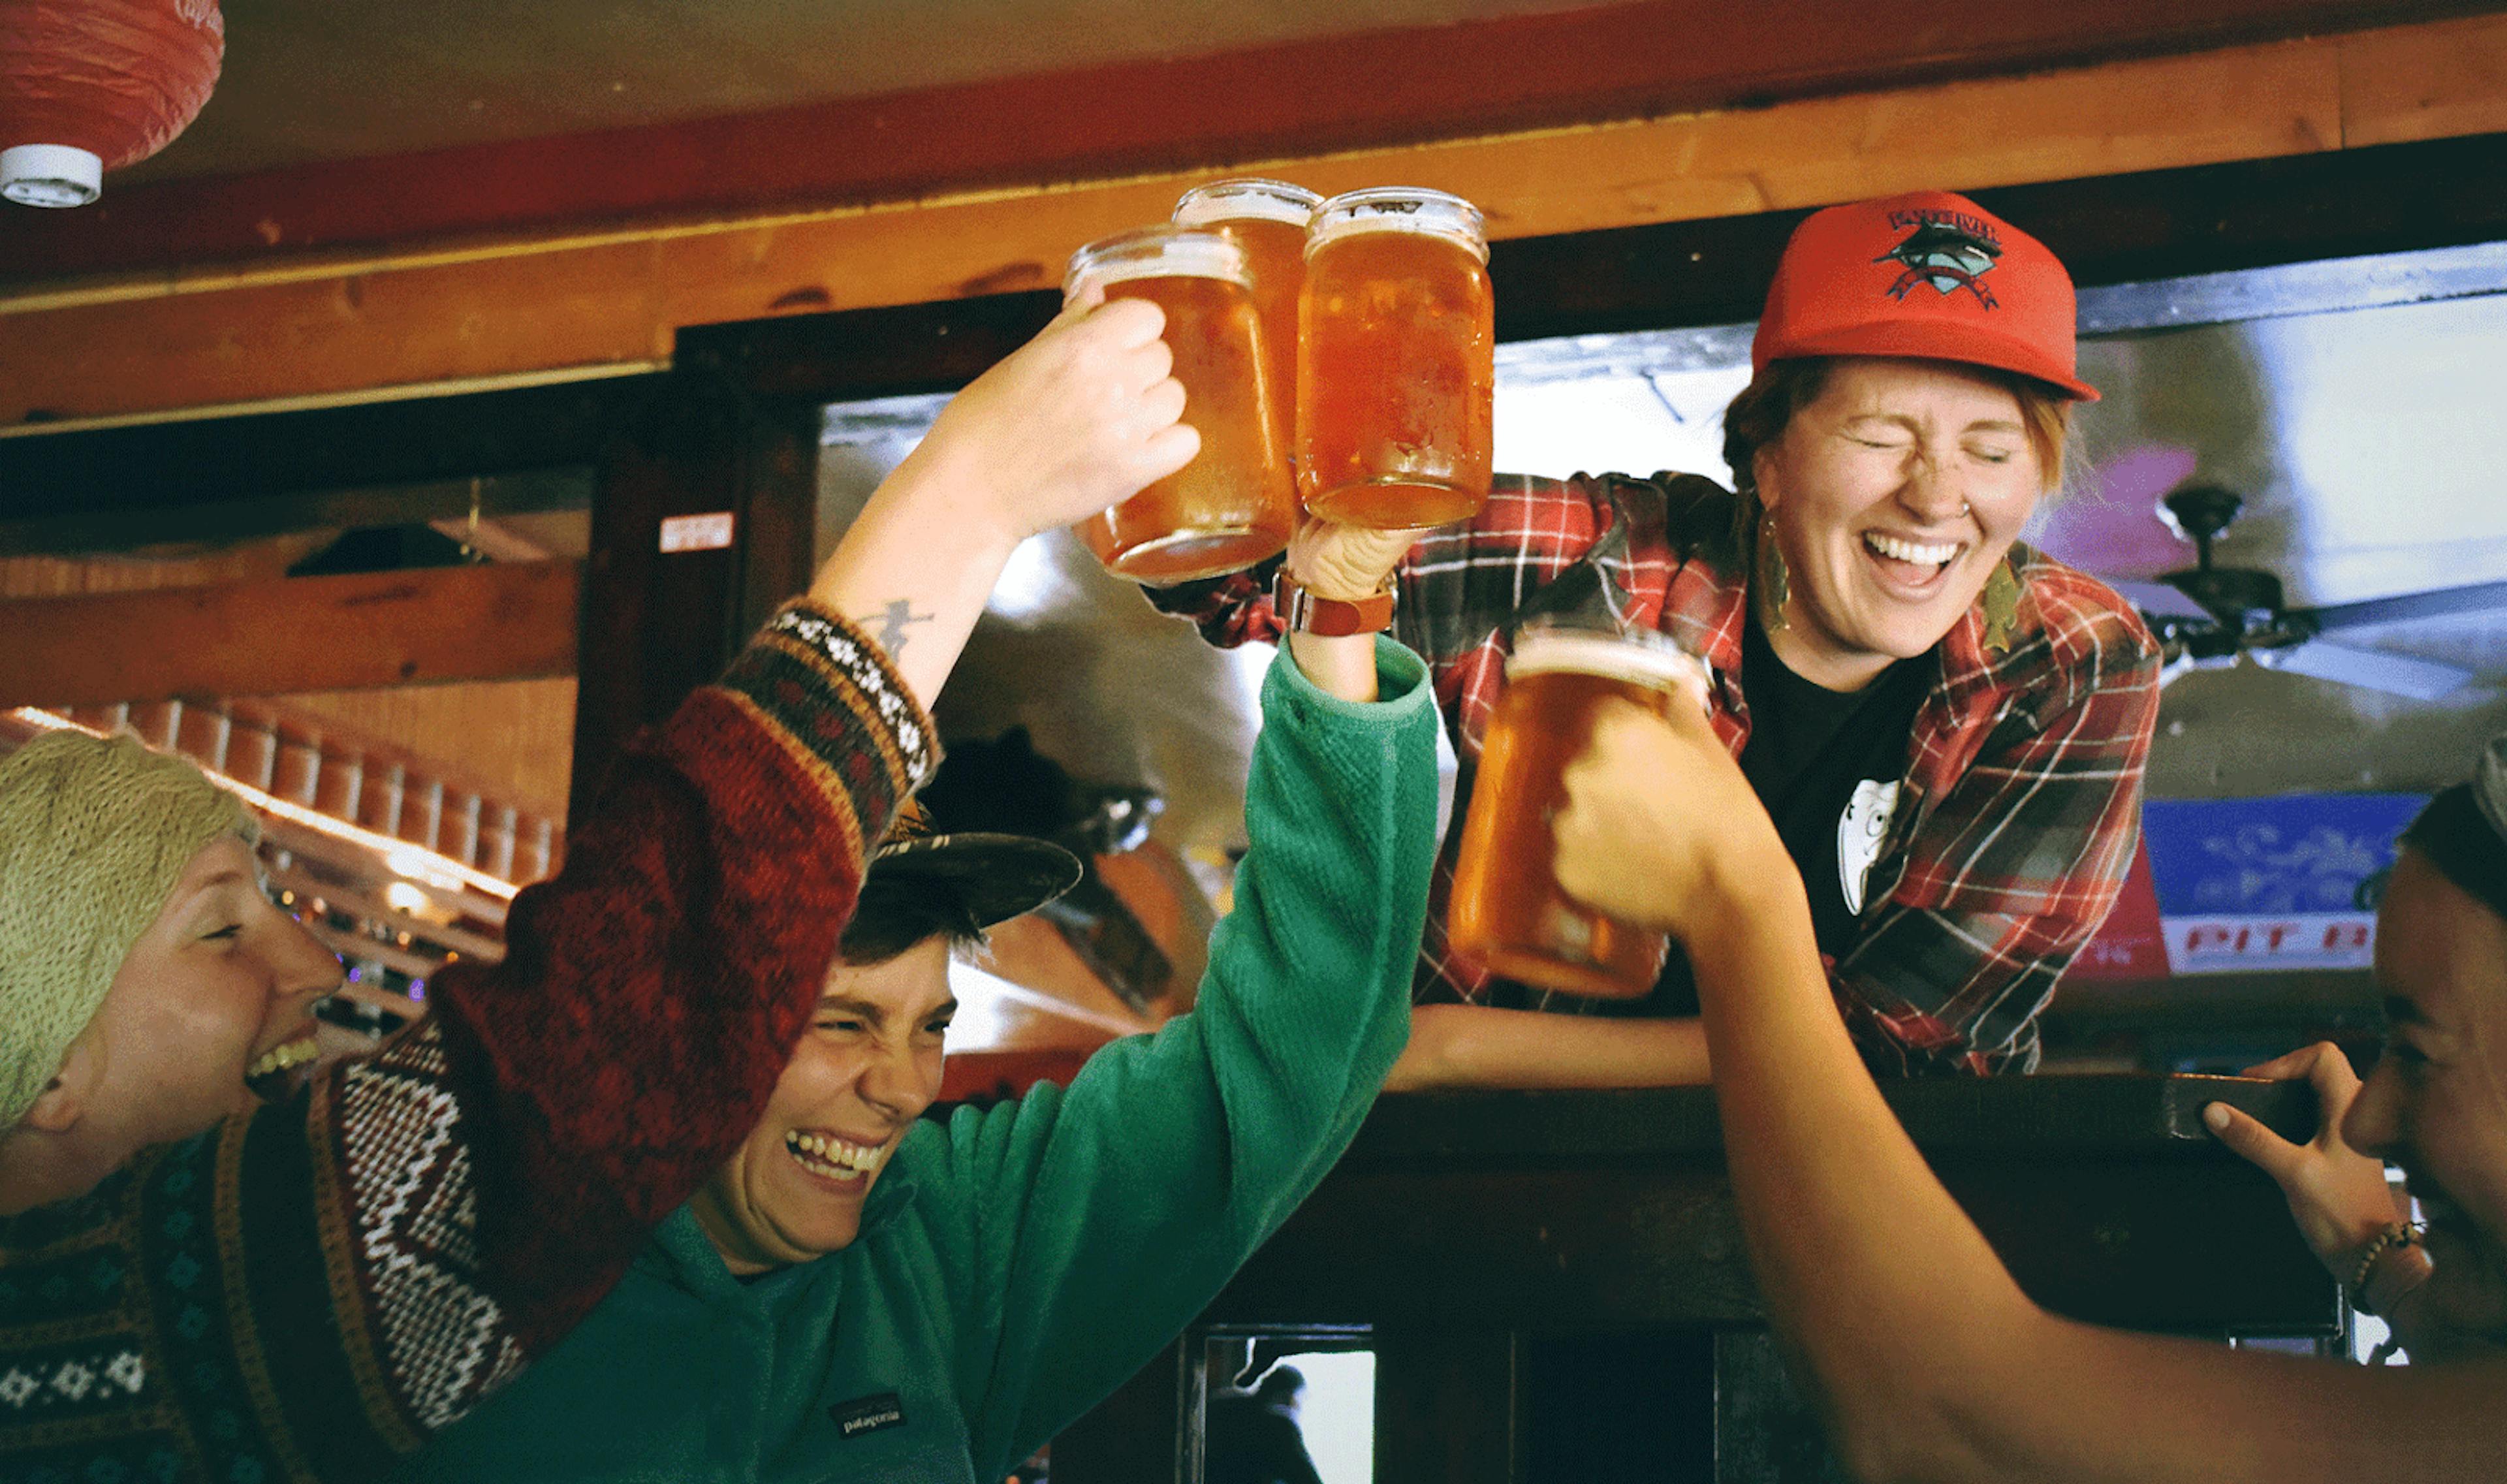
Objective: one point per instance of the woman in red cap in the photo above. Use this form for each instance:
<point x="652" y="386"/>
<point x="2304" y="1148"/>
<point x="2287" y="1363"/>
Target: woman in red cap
<point x="1947" y="728"/>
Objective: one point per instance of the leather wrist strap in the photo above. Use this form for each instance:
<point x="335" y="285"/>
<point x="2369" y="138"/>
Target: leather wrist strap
<point x="1329" y="617"/>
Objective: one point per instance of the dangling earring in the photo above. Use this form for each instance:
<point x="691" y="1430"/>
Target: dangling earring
<point x="1772" y="589"/>
<point x="2001" y="599"/>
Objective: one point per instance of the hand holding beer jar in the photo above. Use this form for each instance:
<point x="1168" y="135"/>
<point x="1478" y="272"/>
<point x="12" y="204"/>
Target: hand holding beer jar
<point x="1660" y="829"/>
<point x="1509" y="909"/>
<point x="1233" y="505"/>
<point x="1395" y="360"/>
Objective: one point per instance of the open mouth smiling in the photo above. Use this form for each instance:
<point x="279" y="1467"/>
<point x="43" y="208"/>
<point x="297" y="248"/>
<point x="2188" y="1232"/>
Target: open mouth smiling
<point x="833" y="1158"/>
<point x="282" y="1068"/>
<point x="1914" y="563"/>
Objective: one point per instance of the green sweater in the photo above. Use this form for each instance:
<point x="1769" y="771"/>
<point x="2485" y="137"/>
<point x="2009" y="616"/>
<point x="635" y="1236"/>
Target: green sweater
<point x="1018" y="1263"/>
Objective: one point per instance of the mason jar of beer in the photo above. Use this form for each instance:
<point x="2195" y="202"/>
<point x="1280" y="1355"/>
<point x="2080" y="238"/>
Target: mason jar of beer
<point x="1395" y="360"/>
<point x="1508" y="912"/>
<point x="1268" y="218"/>
<point x="1235" y="503"/>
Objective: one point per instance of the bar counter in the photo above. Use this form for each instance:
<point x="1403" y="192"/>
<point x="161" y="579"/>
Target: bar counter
<point x="1554" y="1283"/>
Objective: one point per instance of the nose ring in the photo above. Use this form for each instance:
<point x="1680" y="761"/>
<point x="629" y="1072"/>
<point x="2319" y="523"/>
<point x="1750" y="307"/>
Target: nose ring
<point x="1965" y="510"/>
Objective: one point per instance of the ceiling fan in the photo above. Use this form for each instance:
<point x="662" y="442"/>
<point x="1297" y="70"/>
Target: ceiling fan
<point x="2206" y="616"/>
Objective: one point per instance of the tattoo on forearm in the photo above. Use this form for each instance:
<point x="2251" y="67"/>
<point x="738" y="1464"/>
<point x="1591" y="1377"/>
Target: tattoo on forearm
<point x="890" y="625"/>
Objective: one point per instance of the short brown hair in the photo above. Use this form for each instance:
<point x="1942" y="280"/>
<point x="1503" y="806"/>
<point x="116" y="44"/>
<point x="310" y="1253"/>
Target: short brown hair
<point x="895" y="916"/>
<point x="1765" y="408"/>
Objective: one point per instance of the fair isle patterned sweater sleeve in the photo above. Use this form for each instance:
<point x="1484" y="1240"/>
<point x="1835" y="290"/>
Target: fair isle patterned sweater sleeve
<point x="308" y="1292"/>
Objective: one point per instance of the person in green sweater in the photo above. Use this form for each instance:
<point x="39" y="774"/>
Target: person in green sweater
<point x="862" y="1292"/>
<point x="194" y="1286"/>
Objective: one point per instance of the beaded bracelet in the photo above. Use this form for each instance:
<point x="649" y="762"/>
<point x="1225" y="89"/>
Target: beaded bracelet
<point x="2393" y="1239"/>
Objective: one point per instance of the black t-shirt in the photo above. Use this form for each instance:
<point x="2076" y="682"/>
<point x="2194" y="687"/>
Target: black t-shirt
<point x="1815" y="753"/>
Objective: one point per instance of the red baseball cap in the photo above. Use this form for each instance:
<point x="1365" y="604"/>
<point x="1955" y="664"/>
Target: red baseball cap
<point x="1930" y="274"/>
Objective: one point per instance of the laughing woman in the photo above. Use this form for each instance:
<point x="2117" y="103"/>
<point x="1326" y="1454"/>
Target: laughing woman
<point x="1947" y="728"/>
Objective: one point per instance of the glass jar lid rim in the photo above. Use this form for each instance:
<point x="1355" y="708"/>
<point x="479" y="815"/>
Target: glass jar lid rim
<point x="1287" y="201"/>
<point x="1198" y="252"/>
<point x="1400" y="209"/>
<point x="1605" y="650"/>
<point x="1367" y="195"/>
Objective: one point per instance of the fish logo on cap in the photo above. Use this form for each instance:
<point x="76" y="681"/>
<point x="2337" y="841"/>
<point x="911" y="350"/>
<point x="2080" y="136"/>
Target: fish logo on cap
<point x="1948" y="250"/>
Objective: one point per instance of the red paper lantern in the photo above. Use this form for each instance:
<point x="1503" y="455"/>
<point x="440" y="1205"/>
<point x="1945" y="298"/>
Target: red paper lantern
<point x="90" y="85"/>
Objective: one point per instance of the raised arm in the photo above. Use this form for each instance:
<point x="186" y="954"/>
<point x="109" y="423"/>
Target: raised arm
<point x="310" y="1292"/>
<point x="702" y="901"/>
<point x="1098" y="1220"/>
<point x="1925" y="1357"/>
<point x="1078" y="418"/>
<point x="1485" y="1046"/>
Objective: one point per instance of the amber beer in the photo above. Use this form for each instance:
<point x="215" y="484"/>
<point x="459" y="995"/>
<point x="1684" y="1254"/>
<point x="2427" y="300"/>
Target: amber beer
<point x="1508" y="912"/>
<point x="1234" y="504"/>
<point x="1268" y="218"/>
<point x="1395" y="360"/>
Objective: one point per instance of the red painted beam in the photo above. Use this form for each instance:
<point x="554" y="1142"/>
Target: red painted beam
<point x="1634" y="59"/>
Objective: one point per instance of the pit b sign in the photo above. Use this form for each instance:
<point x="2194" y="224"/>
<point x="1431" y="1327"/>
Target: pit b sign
<point x="2285" y="883"/>
<point x="2217" y="945"/>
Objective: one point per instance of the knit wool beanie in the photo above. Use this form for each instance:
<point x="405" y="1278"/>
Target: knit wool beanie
<point x="93" y="833"/>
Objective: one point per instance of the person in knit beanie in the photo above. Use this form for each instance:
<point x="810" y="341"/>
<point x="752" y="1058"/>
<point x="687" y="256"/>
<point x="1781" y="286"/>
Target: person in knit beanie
<point x="93" y="832"/>
<point x="310" y="1285"/>
<point x="99" y="838"/>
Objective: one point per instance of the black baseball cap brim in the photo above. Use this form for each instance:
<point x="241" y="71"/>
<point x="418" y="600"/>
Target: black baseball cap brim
<point x="998" y="876"/>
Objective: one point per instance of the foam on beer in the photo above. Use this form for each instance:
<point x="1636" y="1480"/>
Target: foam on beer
<point x="1155" y="252"/>
<point x="1640" y="659"/>
<point x="1400" y="208"/>
<point x="1230" y="201"/>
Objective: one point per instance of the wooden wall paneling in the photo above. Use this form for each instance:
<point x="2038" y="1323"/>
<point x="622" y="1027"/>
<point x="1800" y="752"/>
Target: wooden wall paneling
<point x="508" y="740"/>
<point x="379" y="464"/>
<point x="1764" y="1432"/>
<point x="584" y="312"/>
<point x="48" y="576"/>
<point x="2112" y="230"/>
<point x="2115" y="228"/>
<point x="1618" y="1404"/>
<point x="2430" y="82"/>
<point x="1135" y="1437"/>
<point x="291" y="635"/>
<point x="657" y="625"/>
<point x="1305" y="96"/>
<point x="569" y="302"/>
<point x="1447" y="1406"/>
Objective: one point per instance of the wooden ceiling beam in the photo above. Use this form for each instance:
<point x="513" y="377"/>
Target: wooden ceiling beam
<point x="292" y="633"/>
<point x="336" y="466"/>
<point x="2122" y="228"/>
<point x="1636" y="59"/>
<point x="560" y="306"/>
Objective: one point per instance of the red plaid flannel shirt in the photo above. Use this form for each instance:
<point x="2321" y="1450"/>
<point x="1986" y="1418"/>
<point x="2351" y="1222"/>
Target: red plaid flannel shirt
<point x="2021" y="798"/>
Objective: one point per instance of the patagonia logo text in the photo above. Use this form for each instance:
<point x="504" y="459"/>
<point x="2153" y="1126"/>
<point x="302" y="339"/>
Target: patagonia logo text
<point x="868" y="1413"/>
